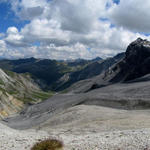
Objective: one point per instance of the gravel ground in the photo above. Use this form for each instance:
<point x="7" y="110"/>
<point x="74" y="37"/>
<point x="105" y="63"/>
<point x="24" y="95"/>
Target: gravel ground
<point x="11" y="139"/>
<point x="86" y="128"/>
<point x="118" y="140"/>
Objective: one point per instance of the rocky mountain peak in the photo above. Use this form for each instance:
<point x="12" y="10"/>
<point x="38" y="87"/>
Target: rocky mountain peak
<point x="137" y="52"/>
<point x="140" y="41"/>
<point x="135" y="64"/>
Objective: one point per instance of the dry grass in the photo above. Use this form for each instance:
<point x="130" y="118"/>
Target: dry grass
<point x="49" y="144"/>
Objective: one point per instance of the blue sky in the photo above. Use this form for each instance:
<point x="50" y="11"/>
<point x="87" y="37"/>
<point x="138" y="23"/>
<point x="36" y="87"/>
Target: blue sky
<point x="116" y="1"/>
<point x="67" y="29"/>
<point x="8" y="18"/>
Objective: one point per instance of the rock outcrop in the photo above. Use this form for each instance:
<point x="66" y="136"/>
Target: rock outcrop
<point x="135" y="64"/>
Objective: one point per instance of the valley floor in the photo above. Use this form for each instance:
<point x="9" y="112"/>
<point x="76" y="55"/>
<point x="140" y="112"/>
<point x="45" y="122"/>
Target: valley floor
<point x="86" y="128"/>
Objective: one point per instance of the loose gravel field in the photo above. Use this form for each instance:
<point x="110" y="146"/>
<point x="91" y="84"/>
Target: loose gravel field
<point x="86" y="128"/>
<point x="118" y="140"/>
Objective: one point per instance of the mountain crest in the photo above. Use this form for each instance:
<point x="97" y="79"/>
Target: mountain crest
<point x="137" y="52"/>
<point x="136" y="62"/>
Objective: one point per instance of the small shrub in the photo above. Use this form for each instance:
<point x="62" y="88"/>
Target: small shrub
<point x="49" y="144"/>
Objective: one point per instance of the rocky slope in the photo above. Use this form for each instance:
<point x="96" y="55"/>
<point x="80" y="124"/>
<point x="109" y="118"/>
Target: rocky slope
<point x="16" y="90"/>
<point x="9" y="105"/>
<point x="123" y="96"/>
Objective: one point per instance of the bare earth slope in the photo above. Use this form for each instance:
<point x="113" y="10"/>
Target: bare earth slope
<point x="124" y="96"/>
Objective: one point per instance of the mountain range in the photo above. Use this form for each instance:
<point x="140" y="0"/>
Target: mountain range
<point x="58" y="75"/>
<point x="122" y="81"/>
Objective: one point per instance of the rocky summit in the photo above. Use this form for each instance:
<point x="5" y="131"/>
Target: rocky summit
<point x="135" y="64"/>
<point x="138" y="59"/>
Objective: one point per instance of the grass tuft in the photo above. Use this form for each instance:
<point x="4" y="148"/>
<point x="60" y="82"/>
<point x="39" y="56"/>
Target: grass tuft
<point x="49" y="144"/>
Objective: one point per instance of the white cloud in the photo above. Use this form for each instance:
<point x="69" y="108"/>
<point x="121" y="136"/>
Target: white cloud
<point x="45" y="31"/>
<point x="12" y="30"/>
<point x="69" y="29"/>
<point x="63" y="52"/>
<point x="14" y="38"/>
<point x="132" y="14"/>
<point x="28" y="9"/>
<point x="2" y="47"/>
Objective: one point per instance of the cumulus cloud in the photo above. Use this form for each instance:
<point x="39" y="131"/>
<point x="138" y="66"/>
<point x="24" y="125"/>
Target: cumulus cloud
<point x="2" y="47"/>
<point x="28" y="9"/>
<point x="77" y="16"/>
<point x="70" y="29"/>
<point x="131" y="14"/>
<point x="45" y="31"/>
<point x="14" y="38"/>
<point x="64" y="52"/>
<point x="31" y="12"/>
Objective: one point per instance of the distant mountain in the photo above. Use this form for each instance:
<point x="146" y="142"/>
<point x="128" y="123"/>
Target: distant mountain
<point x="49" y="73"/>
<point x="97" y="59"/>
<point x="94" y="68"/>
<point x="44" y="71"/>
<point x="77" y="62"/>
